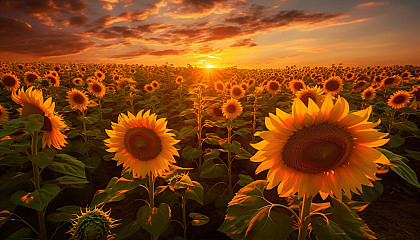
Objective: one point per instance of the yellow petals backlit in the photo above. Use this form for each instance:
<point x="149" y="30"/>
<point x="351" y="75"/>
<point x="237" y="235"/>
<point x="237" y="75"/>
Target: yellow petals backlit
<point x="142" y="144"/>
<point x="232" y="108"/>
<point x="320" y="149"/>
<point x="77" y="99"/>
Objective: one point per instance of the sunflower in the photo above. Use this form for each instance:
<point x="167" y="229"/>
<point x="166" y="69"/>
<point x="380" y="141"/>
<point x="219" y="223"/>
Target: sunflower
<point x="359" y="85"/>
<point x="244" y="86"/>
<point x="333" y="85"/>
<point x="251" y="82"/>
<point x="149" y="88"/>
<point x="232" y="108"/>
<point x="99" y="75"/>
<point x="390" y="81"/>
<point x="32" y="103"/>
<point x="97" y="89"/>
<point x="368" y="93"/>
<point x="349" y="76"/>
<point x="320" y="149"/>
<point x="399" y="99"/>
<point x="142" y="144"/>
<point x="406" y="74"/>
<point x="4" y="115"/>
<point x="273" y="87"/>
<point x="219" y="86"/>
<point x="30" y="78"/>
<point x="314" y="93"/>
<point x="77" y="99"/>
<point x="237" y="92"/>
<point x="77" y="81"/>
<point x="155" y="84"/>
<point x="415" y="92"/>
<point x="179" y="79"/>
<point x="53" y="80"/>
<point x="296" y="85"/>
<point x="10" y="82"/>
<point x="215" y="112"/>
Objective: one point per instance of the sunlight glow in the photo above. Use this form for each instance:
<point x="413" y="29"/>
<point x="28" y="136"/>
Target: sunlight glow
<point x="210" y="66"/>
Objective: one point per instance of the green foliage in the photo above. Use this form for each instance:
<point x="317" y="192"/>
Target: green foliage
<point x="198" y="219"/>
<point x="37" y="199"/>
<point x="115" y="190"/>
<point x="154" y="220"/>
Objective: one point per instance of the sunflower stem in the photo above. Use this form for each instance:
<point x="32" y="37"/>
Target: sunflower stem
<point x="37" y="184"/>
<point x="84" y="125"/>
<point x="184" y="216"/>
<point x="199" y="128"/>
<point x="304" y="217"/>
<point x="152" y="197"/>
<point x="229" y="128"/>
<point x="254" y="118"/>
<point x="100" y="107"/>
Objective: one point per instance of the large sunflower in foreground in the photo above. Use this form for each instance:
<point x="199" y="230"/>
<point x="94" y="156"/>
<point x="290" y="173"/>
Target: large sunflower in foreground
<point x="142" y="144"/>
<point x="32" y="103"/>
<point x="320" y="149"/>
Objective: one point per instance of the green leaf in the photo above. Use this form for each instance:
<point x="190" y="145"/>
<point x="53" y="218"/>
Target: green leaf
<point x="198" y="219"/>
<point x="195" y="193"/>
<point x="114" y="191"/>
<point x="370" y="194"/>
<point x="406" y="125"/>
<point x="33" y="122"/>
<point x="242" y="132"/>
<point x="244" y="180"/>
<point x="269" y="224"/>
<point x="154" y="219"/>
<point x="126" y="229"/>
<point x="212" y="138"/>
<point x="65" y="214"/>
<point x="187" y="131"/>
<point x="404" y="171"/>
<point x="211" y="170"/>
<point x="243" y="154"/>
<point x="38" y="199"/>
<point x="349" y="221"/>
<point x="42" y="159"/>
<point x="395" y="141"/>
<point x="413" y="154"/>
<point x="23" y="233"/>
<point x="4" y="216"/>
<point x="190" y="153"/>
<point x="329" y="231"/>
<point x="246" y="205"/>
<point x="10" y="179"/>
<point x="106" y="110"/>
<point x="211" y="154"/>
<point x="68" y="165"/>
<point x="233" y="147"/>
<point x="70" y="180"/>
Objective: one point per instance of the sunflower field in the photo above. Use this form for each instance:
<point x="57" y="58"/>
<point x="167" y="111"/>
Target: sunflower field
<point x="117" y="151"/>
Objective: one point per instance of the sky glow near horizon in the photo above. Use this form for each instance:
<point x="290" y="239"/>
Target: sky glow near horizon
<point x="245" y="33"/>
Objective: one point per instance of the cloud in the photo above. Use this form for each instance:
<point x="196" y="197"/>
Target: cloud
<point x="125" y="32"/>
<point x="244" y="43"/>
<point x="371" y="4"/>
<point x="199" y="8"/>
<point x="148" y="51"/>
<point x="19" y="37"/>
<point x="77" y="21"/>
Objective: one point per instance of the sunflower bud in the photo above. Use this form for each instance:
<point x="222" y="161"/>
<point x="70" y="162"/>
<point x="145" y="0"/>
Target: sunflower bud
<point x="92" y="225"/>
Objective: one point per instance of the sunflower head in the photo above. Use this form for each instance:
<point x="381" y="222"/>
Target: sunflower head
<point x="99" y="75"/>
<point x="324" y="149"/>
<point x="30" y="78"/>
<point x="77" y="99"/>
<point x="399" y="99"/>
<point x="219" y="86"/>
<point x="368" y="93"/>
<point x="32" y="103"/>
<point x="333" y="85"/>
<point x="142" y="144"/>
<point x="415" y="92"/>
<point x="93" y="224"/>
<point x="390" y="81"/>
<point x="96" y="88"/>
<point x="149" y="88"/>
<point x="237" y="92"/>
<point x="53" y="80"/>
<point x="314" y="93"/>
<point x="4" y="115"/>
<point x="296" y="85"/>
<point x="232" y="108"/>
<point x="77" y="81"/>
<point x="215" y="111"/>
<point x="251" y="82"/>
<point x="179" y="79"/>
<point x="10" y="82"/>
<point x="155" y="84"/>
<point x="273" y="86"/>
<point x="244" y="86"/>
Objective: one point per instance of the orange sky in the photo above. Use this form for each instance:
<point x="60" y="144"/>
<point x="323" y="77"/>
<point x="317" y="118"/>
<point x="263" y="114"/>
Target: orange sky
<point x="245" y="33"/>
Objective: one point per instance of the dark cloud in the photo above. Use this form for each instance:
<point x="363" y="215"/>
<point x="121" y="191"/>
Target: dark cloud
<point x="197" y="7"/>
<point x="77" y="21"/>
<point x="125" y="32"/>
<point x="19" y="37"/>
<point x="244" y="43"/>
<point x="147" y="51"/>
<point x="45" y="6"/>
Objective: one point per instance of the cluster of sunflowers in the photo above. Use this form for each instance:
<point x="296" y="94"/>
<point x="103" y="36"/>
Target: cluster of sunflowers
<point x="320" y="147"/>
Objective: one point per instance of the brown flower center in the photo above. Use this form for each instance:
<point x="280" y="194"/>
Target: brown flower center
<point x="9" y="81"/>
<point x="368" y="94"/>
<point x="231" y="108"/>
<point x="318" y="148"/>
<point x="273" y="86"/>
<point x="143" y="143"/>
<point x="389" y="80"/>
<point x="236" y="91"/>
<point x="31" y="78"/>
<point x="298" y="86"/>
<point x="96" y="88"/>
<point x="399" y="99"/>
<point x="78" y="98"/>
<point x="332" y="85"/>
<point x="29" y="109"/>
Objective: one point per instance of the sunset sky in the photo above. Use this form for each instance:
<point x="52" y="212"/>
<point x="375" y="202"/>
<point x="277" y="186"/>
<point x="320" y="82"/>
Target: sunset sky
<point x="246" y="33"/>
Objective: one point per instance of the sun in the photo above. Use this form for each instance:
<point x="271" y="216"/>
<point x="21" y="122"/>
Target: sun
<point x="210" y="66"/>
